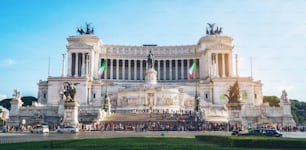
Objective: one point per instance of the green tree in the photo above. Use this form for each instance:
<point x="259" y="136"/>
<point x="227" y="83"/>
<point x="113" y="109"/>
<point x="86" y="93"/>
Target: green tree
<point x="298" y="111"/>
<point x="272" y="100"/>
<point x="1" y="119"/>
<point x="27" y="101"/>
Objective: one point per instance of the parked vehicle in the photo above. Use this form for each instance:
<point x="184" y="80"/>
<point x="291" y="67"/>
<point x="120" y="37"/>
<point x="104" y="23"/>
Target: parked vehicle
<point x="40" y="129"/>
<point x="4" y="129"/>
<point x="259" y="132"/>
<point x="68" y="129"/>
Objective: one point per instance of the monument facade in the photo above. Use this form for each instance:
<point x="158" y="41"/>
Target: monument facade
<point x="155" y="79"/>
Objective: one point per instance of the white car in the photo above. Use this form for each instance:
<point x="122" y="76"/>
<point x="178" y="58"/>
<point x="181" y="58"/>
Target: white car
<point x="68" y="129"/>
<point x="40" y="129"/>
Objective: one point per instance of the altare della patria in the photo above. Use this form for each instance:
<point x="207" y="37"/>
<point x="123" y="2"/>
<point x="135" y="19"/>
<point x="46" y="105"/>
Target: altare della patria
<point x="150" y="83"/>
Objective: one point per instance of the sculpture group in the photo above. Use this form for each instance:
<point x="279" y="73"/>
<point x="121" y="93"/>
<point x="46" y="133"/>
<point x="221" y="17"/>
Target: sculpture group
<point x="69" y="92"/>
<point x="212" y="31"/>
<point x="88" y="30"/>
<point x="233" y="95"/>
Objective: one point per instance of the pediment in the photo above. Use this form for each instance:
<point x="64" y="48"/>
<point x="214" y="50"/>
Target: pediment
<point x="219" y="46"/>
<point x="79" y="46"/>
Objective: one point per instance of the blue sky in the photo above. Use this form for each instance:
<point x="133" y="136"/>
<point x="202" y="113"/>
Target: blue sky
<point x="273" y="33"/>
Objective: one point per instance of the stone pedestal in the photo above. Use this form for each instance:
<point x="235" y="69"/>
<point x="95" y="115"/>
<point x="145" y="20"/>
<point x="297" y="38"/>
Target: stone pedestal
<point x="71" y="113"/>
<point x="107" y="105"/>
<point x="234" y="114"/>
<point x="16" y="104"/>
<point x="151" y="76"/>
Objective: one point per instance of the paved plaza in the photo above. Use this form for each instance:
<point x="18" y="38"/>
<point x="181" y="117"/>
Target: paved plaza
<point x="28" y="137"/>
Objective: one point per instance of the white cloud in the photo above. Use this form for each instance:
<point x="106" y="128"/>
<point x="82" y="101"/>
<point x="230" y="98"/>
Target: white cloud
<point x="7" y="62"/>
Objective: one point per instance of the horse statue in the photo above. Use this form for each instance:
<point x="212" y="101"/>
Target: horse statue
<point x="70" y="92"/>
<point x="80" y="30"/>
<point x="88" y="30"/>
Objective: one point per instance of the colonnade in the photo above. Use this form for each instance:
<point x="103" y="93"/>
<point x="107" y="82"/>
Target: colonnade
<point x="221" y="65"/>
<point x="78" y="64"/>
<point x="131" y="69"/>
<point x="120" y="69"/>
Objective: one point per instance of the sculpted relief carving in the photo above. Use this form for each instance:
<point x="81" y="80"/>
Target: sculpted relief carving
<point x="189" y="103"/>
<point x="130" y="101"/>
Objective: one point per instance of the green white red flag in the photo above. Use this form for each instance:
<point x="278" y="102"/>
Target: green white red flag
<point x="192" y="70"/>
<point x="102" y="68"/>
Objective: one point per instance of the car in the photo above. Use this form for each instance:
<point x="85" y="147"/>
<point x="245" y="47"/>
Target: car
<point x="261" y="132"/>
<point x="68" y="129"/>
<point x="4" y="129"/>
<point x="40" y="129"/>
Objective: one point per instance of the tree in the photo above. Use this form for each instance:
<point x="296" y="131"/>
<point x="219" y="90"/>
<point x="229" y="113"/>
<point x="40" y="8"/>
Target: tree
<point x="6" y="103"/>
<point x="272" y="100"/>
<point x="1" y="119"/>
<point x="27" y="101"/>
<point x="298" y="111"/>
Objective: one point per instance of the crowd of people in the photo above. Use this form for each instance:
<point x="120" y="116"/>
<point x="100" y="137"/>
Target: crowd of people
<point x="169" y="122"/>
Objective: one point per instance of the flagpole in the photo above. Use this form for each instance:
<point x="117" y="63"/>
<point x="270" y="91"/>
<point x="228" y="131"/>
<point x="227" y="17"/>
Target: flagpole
<point x="106" y="98"/>
<point x="196" y="83"/>
<point x="106" y="72"/>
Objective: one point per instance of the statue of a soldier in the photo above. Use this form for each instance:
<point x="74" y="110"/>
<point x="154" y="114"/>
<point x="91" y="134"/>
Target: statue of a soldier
<point x="150" y="60"/>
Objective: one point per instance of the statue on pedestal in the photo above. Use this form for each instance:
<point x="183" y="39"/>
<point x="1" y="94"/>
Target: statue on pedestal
<point x="70" y="92"/>
<point x="88" y="30"/>
<point x="150" y="60"/>
<point x="212" y="31"/>
<point x="233" y="97"/>
<point x="16" y="94"/>
<point x="284" y="97"/>
<point x="234" y="93"/>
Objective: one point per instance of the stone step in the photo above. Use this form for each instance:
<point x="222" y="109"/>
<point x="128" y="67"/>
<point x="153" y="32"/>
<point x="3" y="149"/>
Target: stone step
<point x="140" y="117"/>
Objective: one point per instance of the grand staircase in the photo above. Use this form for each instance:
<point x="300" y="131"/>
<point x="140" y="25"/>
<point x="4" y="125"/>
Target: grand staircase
<point x="139" y="117"/>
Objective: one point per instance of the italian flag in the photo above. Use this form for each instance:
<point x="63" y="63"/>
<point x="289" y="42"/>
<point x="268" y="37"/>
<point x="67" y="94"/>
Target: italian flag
<point x="102" y="68"/>
<point x="192" y="69"/>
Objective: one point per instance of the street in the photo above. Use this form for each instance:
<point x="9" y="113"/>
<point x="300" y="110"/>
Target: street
<point x="14" y="137"/>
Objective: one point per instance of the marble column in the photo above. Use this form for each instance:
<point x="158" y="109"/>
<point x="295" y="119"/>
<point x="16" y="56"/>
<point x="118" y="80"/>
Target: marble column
<point x="182" y="69"/>
<point x="117" y="69"/>
<point x="170" y="70"/>
<point x="141" y="70"/>
<point x="223" y="65"/>
<point x="217" y="65"/>
<point x="76" y="64"/>
<point x="87" y="64"/>
<point x="90" y="73"/>
<point x="129" y="69"/>
<point x="83" y="65"/>
<point x="158" y="69"/>
<point x="69" y="72"/>
<point x="123" y="69"/>
<point x="135" y="69"/>
<point x="164" y="71"/>
<point x="188" y="66"/>
<point x="111" y="69"/>
<point x="176" y="69"/>
<point x="209" y="64"/>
